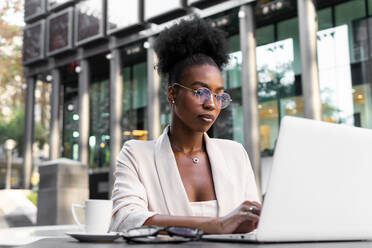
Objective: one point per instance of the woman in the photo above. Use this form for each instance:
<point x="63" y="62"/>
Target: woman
<point x="185" y="178"/>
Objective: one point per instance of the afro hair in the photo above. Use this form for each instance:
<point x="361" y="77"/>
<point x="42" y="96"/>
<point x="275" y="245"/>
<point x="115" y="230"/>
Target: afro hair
<point x="190" y="42"/>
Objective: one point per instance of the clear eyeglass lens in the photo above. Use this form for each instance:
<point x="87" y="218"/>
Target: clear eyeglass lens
<point x="145" y="231"/>
<point x="204" y="94"/>
<point x="183" y="231"/>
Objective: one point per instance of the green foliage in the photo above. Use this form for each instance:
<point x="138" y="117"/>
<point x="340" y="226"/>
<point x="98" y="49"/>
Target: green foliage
<point x="32" y="196"/>
<point x="13" y="128"/>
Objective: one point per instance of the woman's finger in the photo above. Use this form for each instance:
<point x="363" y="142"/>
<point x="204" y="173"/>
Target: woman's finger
<point x="252" y="208"/>
<point x="248" y="215"/>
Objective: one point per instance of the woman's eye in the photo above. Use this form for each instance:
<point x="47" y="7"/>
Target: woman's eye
<point x="198" y="92"/>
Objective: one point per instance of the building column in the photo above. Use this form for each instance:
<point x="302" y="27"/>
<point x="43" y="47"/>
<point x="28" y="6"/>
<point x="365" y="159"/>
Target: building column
<point x="249" y="88"/>
<point x="28" y="131"/>
<point x="116" y="96"/>
<point x="54" y="138"/>
<point x="84" y="77"/>
<point x="153" y="89"/>
<point x="308" y="27"/>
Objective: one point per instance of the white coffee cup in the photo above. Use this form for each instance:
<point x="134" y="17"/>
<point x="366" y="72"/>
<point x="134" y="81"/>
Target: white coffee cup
<point x="97" y="215"/>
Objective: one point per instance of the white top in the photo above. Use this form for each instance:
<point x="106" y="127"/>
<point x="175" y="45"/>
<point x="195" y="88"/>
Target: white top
<point x="204" y="208"/>
<point x="148" y="181"/>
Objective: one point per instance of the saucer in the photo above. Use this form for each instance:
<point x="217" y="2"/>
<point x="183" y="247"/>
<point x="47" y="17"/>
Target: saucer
<point x="94" y="237"/>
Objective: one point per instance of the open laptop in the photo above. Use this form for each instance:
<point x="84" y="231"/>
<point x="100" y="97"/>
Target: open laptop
<point x="320" y="188"/>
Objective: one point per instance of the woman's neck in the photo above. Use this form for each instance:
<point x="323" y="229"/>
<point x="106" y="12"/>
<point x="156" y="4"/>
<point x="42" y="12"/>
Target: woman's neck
<point x="184" y="138"/>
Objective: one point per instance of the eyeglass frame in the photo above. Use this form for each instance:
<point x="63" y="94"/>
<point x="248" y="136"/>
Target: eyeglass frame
<point x="195" y="91"/>
<point x="198" y="235"/>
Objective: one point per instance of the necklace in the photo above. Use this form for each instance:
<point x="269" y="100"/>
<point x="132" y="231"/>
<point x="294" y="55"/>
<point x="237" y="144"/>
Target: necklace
<point x="194" y="159"/>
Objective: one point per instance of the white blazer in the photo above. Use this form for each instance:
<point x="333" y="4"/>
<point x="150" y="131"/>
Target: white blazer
<point x="148" y="182"/>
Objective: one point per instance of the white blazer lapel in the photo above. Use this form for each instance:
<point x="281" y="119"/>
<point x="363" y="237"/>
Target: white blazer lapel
<point x="169" y="177"/>
<point x="221" y="177"/>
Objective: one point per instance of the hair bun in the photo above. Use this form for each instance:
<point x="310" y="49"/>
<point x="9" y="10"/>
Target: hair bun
<point x="187" y="38"/>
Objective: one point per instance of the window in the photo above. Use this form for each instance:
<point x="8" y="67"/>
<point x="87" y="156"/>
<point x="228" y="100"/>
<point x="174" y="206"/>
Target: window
<point x="134" y="122"/>
<point x="229" y="124"/>
<point x="99" y="136"/>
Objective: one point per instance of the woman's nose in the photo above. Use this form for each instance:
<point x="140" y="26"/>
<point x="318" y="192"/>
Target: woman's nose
<point x="211" y="102"/>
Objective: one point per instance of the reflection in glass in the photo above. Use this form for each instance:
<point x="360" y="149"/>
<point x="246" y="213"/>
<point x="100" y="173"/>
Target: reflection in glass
<point x="288" y="29"/>
<point x="276" y="90"/>
<point x="335" y="75"/>
<point x="99" y="135"/>
<point x="33" y="42"/>
<point x="122" y="14"/>
<point x="59" y="32"/>
<point x="362" y="36"/>
<point x="34" y="8"/>
<point x="229" y="124"/>
<point x="362" y="105"/>
<point x="134" y="122"/>
<point x="343" y="15"/>
<point x="159" y="7"/>
<point x="70" y="123"/>
<point x="89" y="19"/>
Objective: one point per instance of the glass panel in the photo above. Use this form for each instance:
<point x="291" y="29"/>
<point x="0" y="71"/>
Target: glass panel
<point x="289" y="29"/>
<point x="89" y="20"/>
<point x="139" y="85"/>
<point x="343" y="15"/>
<point x="34" y="8"/>
<point x="159" y="7"/>
<point x="324" y="18"/>
<point x="369" y="7"/>
<point x="335" y="75"/>
<point x="99" y="138"/>
<point x="277" y="93"/>
<point x="229" y="124"/>
<point x="344" y="59"/>
<point x="33" y="42"/>
<point x="362" y="105"/>
<point x="134" y="120"/>
<point x="127" y="104"/>
<point x="60" y="32"/>
<point x="265" y="35"/>
<point x="234" y="43"/>
<point x="70" y="123"/>
<point x="122" y="14"/>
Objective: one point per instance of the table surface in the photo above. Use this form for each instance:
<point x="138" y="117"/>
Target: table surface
<point x="54" y="236"/>
<point x="71" y="243"/>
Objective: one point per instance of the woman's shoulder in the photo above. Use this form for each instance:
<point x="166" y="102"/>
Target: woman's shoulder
<point x="135" y="151"/>
<point x="229" y="147"/>
<point x="225" y="143"/>
<point x="138" y="144"/>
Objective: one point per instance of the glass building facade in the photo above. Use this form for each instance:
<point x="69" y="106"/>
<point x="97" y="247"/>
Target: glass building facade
<point x="344" y="58"/>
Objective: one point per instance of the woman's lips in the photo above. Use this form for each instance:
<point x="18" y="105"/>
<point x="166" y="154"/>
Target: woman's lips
<point x="206" y="118"/>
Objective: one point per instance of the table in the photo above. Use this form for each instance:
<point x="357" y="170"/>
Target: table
<point x="54" y="236"/>
<point x="72" y="243"/>
<point x="19" y="236"/>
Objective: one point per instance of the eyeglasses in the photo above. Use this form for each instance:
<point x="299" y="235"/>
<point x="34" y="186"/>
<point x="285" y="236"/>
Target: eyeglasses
<point x="204" y="94"/>
<point x="162" y="234"/>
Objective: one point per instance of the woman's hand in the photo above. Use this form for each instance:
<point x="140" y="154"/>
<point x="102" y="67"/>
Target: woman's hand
<point x="243" y="219"/>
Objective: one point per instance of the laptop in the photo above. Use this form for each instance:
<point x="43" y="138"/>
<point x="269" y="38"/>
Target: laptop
<point x="320" y="187"/>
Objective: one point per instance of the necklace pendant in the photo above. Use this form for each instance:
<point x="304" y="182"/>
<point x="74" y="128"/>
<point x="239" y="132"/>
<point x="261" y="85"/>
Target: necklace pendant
<point x="195" y="160"/>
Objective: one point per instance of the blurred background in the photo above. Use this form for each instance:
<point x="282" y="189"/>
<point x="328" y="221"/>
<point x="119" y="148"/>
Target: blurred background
<point x="77" y="80"/>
